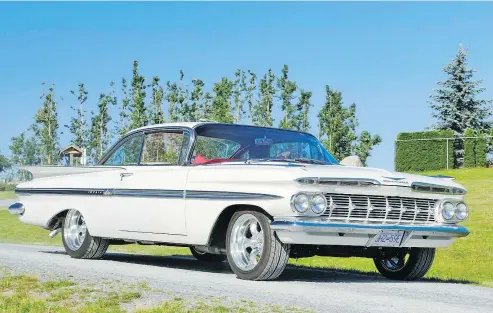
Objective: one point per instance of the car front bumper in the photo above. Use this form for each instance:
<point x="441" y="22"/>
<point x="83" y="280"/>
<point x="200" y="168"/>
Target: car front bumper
<point x="321" y="232"/>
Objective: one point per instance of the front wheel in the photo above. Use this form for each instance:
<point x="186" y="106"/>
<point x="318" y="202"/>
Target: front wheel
<point x="253" y="249"/>
<point x="77" y="241"/>
<point x="407" y="264"/>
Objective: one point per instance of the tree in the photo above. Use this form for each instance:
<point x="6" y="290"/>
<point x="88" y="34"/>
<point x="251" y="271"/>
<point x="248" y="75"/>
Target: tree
<point x="197" y="98"/>
<point x="123" y="125"/>
<point x="17" y="149"/>
<point x="239" y="89"/>
<point x="262" y="110"/>
<point x="185" y="111"/>
<point x="221" y="103"/>
<point x="47" y="127"/>
<point x="303" y="107"/>
<point x="455" y="104"/>
<point x="138" y="113"/>
<point x="287" y="89"/>
<point x="172" y="98"/>
<point x="249" y="96"/>
<point x="4" y="163"/>
<point x="206" y="114"/>
<point x="100" y="136"/>
<point x="157" y="115"/>
<point x="365" y="145"/>
<point x="78" y="124"/>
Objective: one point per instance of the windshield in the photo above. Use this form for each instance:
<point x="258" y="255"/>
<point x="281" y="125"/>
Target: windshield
<point x="228" y="142"/>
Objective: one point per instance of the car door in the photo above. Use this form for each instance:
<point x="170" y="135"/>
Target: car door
<point x="151" y="192"/>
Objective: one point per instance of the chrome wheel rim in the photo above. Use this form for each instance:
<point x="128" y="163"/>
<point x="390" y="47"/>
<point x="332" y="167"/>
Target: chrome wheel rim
<point x="75" y="230"/>
<point x="246" y="242"/>
<point x="394" y="264"/>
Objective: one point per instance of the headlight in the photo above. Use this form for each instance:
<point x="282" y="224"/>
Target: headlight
<point x="301" y="203"/>
<point x="461" y="211"/>
<point x="319" y="203"/>
<point x="448" y="211"/>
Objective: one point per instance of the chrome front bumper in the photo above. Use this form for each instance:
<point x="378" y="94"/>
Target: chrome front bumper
<point x="16" y="209"/>
<point x="320" y="232"/>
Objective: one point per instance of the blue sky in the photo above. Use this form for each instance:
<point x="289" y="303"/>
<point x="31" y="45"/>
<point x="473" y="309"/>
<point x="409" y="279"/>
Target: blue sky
<point x="385" y="57"/>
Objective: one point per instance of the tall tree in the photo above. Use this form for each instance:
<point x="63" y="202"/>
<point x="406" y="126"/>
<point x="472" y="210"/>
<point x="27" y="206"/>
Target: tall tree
<point x="197" y="98"/>
<point x="250" y="93"/>
<point x="138" y="112"/>
<point x="303" y="108"/>
<point x="157" y="115"/>
<point x="17" y="149"/>
<point x="47" y="127"/>
<point x="262" y="110"/>
<point x="123" y="125"/>
<point x="221" y="111"/>
<point x="365" y="145"/>
<point x="206" y="113"/>
<point x="239" y="90"/>
<point x="100" y="135"/>
<point x="185" y="110"/>
<point x="455" y="104"/>
<point x="287" y="89"/>
<point x="172" y="98"/>
<point x="78" y="124"/>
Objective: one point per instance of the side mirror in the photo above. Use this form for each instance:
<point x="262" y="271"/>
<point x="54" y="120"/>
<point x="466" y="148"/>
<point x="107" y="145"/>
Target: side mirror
<point x="352" y="160"/>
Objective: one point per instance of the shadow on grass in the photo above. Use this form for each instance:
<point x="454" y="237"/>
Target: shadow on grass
<point x="291" y="273"/>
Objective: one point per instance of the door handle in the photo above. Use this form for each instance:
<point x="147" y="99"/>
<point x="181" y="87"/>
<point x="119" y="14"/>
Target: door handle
<point x="125" y="175"/>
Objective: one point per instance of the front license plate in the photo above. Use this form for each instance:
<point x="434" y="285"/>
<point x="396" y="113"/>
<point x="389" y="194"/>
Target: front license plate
<point x="388" y="238"/>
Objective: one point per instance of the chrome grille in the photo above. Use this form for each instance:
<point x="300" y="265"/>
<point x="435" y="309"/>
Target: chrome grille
<point x="379" y="209"/>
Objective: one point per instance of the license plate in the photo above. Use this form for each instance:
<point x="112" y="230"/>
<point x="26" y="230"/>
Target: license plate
<point x="388" y="238"/>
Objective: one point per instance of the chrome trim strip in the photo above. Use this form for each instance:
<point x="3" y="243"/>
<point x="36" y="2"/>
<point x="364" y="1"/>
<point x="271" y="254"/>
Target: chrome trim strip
<point x="318" y="180"/>
<point x="149" y="193"/>
<point x="428" y="185"/>
<point x="16" y="209"/>
<point x="318" y="226"/>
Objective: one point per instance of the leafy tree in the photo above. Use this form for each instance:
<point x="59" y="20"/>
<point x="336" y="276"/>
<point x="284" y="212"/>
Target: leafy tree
<point x="239" y="89"/>
<point x="46" y="119"/>
<point x="303" y="107"/>
<point x="123" y="125"/>
<point x="262" y="110"/>
<point x="138" y="113"/>
<point x="4" y="163"/>
<point x="197" y="98"/>
<point x="221" y="103"/>
<point x="17" y="149"/>
<point x="249" y="93"/>
<point x="206" y="113"/>
<point x="78" y="124"/>
<point x="184" y="109"/>
<point x="365" y="145"/>
<point x="455" y="104"/>
<point x="157" y="115"/>
<point x="287" y="89"/>
<point x="100" y="136"/>
<point x="172" y="98"/>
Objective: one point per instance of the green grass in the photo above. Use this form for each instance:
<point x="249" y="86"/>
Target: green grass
<point x="22" y="294"/>
<point x="468" y="259"/>
<point x="7" y="195"/>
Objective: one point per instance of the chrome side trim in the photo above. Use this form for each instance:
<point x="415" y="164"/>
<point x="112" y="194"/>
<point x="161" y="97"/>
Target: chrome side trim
<point x="318" y="226"/>
<point x="434" y="188"/>
<point x="16" y="209"/>
<point x="149" y="193"/>
<point x="337" y="181"/>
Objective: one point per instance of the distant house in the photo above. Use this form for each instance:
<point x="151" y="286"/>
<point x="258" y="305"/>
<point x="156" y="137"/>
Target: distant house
<point x="73" y="155"/>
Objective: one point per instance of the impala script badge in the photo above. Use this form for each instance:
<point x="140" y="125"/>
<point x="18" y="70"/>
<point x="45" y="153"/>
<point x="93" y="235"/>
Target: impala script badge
<point x="395" y="180"/>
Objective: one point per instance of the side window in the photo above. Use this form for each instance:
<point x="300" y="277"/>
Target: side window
<point x="162" y="148"/>
<point x="215" y="148"/>
<point x="127" y="154"/>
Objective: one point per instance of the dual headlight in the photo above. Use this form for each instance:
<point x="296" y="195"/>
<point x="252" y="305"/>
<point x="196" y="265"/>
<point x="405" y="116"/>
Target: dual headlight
<point x="452" y="211"/>
<point x="309" y="203"/>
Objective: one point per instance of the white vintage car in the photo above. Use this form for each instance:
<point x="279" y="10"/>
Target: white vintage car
<point x="255" y="196"/>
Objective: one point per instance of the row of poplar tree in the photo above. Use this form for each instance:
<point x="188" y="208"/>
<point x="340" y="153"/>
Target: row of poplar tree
<point x="243" y="98"/>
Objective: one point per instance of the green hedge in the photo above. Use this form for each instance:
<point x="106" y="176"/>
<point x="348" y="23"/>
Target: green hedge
<point x="7" y="187"/>
<point x="424" y="155"/>
<point x="481" y="151"/>
<point x="469" y="147"/>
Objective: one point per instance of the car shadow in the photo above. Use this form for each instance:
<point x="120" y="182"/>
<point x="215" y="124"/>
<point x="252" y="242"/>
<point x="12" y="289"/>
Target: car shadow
<point x="291" y="273"/>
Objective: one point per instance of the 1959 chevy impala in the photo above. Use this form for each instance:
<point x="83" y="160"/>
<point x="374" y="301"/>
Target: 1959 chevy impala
<point x="255" y="196"/>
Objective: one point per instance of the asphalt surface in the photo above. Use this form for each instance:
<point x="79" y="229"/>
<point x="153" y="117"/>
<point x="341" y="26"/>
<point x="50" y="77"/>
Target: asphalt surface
<point x="316" y="290"/>
<point x="6" y="203"/>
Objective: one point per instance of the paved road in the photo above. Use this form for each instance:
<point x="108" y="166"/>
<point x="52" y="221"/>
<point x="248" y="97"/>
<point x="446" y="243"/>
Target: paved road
<point x="6" y="203"/>
<point x="317" y="290"/>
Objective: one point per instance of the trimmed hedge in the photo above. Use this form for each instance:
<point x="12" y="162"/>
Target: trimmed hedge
<point x="469" y="147"/>
<point x="7" y="187"/>
<point x="424" y="155"/>
<point x="481" y="150"/>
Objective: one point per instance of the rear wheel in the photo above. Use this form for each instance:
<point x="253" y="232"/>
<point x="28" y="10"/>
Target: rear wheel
<point x="407" y="264"/>
<point x="254" y="251"/>
<point x="77" y="241"/>
<point x="207" y="257"/>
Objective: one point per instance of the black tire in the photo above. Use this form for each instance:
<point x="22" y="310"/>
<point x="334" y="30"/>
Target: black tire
<point x="207" y="257"/>
<point x="417" y="265"/>
<point x="275" y="254"/>
<point x="91" y="248"/>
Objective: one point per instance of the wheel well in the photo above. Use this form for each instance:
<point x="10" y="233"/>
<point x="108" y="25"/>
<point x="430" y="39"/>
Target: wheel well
<point x="217" y="237"/>
<point x="52" y="223"/>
